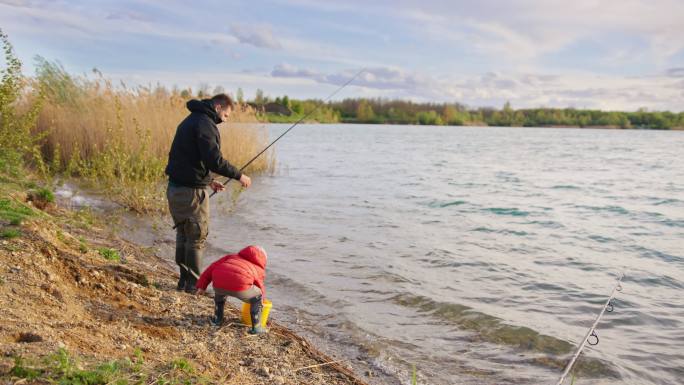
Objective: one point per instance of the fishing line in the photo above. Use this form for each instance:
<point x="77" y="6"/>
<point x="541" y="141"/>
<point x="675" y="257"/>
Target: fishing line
<point x="591" y="337"/>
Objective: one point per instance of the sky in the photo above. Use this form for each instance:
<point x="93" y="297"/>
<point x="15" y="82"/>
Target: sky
<point x="606" y="54"/>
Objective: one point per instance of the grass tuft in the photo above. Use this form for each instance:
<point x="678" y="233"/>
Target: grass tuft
<point x="21" y="370"/>
<point x="109" y="254"/>
<point x="82" y="245"/>
<point x="65" y="369"/>
<point x="13" y="212"/>
<point x="182" y="365"/>
<point x="10" y="233"/>
<point x="44" y="195"/>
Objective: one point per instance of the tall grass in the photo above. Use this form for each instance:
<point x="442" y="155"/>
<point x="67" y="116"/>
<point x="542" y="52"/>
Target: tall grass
<point x="118" y="138"/>
<point x="113" y="137"/>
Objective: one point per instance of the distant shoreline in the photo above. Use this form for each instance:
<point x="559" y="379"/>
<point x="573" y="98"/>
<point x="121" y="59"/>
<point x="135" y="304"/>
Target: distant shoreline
<point x="383" y="111"/>
<point x="479" y="124"/>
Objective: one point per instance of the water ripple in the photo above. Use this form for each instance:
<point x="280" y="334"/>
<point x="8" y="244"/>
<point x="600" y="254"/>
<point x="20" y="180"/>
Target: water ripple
<point x="508" y="211"/>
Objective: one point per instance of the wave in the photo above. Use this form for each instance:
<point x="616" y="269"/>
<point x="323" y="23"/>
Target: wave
<point x="610" y="209"/>
<point x="502" y="231"/>
<point x="508" y="211"/>
<point x="494" y="330"/>
<point x="656" y="254"/>
<point x="565" y="187"/>
<point x="547" y="224"/>
<point x="667" y="201"/>
<point x="672" y="223"/>
<point x="442" y="204"/>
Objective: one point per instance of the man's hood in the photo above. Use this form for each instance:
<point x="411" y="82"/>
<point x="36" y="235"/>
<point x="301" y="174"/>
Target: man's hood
<point x="254" y="254"/>
<point x="205" y="106"/>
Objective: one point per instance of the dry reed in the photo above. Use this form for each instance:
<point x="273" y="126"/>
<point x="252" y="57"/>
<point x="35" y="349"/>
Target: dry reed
<point x="118" y="138"/>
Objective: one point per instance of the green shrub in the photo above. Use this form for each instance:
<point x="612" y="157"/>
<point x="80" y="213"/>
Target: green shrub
<point x="183" y="365"/>
<point x="10" y="233"/>
<point x="20" y="370"/>
<point x="45" y="195"/>
<point x="14" y="212"/>
<point x="109" y="254"/>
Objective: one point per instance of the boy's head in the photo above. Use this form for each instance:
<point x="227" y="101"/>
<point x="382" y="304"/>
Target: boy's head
<point x="255" y="254"/>
<point x="261" y="249"/>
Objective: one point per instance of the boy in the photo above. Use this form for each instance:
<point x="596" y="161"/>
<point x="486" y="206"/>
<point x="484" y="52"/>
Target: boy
<point x="241" y="276"/>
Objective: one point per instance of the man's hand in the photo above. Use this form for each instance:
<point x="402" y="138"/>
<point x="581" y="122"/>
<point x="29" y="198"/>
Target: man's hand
<point x="217" y="186"/>
<point x="245" y="181"/>
<point x="200" y="292"/>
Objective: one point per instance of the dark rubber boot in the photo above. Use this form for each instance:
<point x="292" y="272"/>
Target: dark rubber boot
<point x="255" y="315"/>
<point x="182" y="279"/>
<point x="190" y="285"/>
<point x="180" y="258"/>
<point x="193" y="256"/>
<point x="219" y="305"/>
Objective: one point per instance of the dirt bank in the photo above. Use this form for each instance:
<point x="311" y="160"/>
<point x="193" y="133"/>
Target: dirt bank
<point x="60" y="293"/>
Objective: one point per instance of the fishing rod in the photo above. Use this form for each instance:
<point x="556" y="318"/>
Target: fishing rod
<point x="284" y="133"/>
<point x="188" y="269"/>
<point x="608" y="307"/>
<point x="293" y="126"/>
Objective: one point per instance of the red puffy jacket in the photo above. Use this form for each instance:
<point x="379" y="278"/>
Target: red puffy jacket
<point x="237" y="272"/>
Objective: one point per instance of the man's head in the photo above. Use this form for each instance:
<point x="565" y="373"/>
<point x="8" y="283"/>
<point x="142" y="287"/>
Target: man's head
<point x="223" y="105"/>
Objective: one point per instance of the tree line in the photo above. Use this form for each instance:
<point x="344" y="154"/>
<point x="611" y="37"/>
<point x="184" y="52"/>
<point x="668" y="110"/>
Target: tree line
<point x="385" y="111"/>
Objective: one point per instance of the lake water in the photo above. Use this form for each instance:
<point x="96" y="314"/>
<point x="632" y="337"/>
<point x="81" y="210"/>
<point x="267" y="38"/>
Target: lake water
<point x="479" y="255"/>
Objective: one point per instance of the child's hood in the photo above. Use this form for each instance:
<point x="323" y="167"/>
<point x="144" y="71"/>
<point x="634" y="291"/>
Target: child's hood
<point x="254" y="254"/>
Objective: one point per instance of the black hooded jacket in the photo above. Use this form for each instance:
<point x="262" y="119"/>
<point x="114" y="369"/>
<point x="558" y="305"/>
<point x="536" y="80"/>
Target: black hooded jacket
<point x="196" y="148"/>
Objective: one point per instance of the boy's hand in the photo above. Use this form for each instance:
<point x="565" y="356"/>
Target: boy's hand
<point x="200" y="292"/>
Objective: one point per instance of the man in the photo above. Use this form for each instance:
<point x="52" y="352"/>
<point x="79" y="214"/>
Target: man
<point x="195" y="153"/>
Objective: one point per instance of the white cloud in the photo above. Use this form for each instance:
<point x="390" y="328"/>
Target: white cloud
<point x="523" y="30"/>
<point x="128" y="15"/>
<point x="288" y="71"/>
<point x="61" y="20"/>
<point x="257" y="35"/>
<point x="374" y="78"/>
<point x="524" y="90"/>
<point x="18" y="3"/>
<point x="91" y="24"/>
<point x="581" y="90"/>
<point x="675" y="72"/>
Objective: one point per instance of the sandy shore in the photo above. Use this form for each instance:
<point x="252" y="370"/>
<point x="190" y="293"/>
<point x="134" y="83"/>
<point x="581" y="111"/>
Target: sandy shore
<point x="60" y="294"/>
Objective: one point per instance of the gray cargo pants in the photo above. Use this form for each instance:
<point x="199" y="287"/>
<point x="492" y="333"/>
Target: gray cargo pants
<point x="189" y="209"/>
<point x="251" y="296"/>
